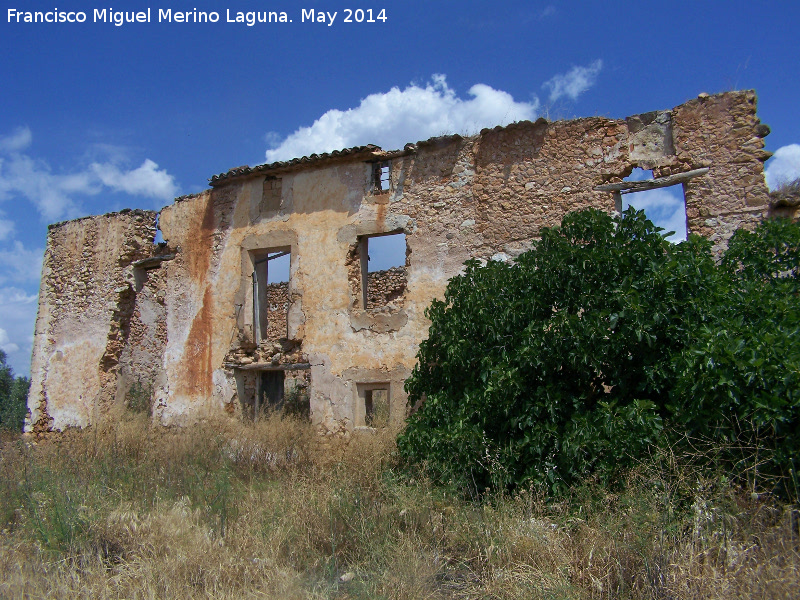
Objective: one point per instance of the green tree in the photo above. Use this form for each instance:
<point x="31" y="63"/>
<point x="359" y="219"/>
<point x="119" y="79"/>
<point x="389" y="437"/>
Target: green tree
<point x="739" y="382"/>
<point x="13" y="396"/>
<point x="581" y="355"/>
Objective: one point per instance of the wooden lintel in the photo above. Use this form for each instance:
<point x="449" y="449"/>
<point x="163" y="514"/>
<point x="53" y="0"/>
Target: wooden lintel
<point x="153" y="261"/>
<point x="268" y="366"/>
<point x="272" y="257"/>
<point x="626" y="187"/>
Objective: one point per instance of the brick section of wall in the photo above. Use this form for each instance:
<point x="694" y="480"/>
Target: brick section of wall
<point x="386" y="287"/>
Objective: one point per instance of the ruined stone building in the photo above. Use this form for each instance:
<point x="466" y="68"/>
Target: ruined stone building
<point x="198" y="328"/>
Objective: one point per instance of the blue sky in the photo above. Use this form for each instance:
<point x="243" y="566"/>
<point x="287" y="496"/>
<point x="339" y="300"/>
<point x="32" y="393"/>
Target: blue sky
<point x="97" y="117"/>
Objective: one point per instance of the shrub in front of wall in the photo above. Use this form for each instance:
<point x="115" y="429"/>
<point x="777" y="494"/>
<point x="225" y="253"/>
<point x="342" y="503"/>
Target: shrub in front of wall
<point x="589" y="350"/>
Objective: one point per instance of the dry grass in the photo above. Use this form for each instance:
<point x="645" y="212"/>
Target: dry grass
<point x="786" y="194"/>
<point x="268" y="511"/>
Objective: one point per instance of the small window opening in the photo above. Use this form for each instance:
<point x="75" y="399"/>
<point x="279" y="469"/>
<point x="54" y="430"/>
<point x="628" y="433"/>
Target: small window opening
<point x="383" y="270"/>
<point x="271" y="195"/>
<point x="382" y="176"/>
<point x="373" y="405"/>
<point x="665" y="207"/>
<point x="271" y="293"/>
<point x="158" y="238"/>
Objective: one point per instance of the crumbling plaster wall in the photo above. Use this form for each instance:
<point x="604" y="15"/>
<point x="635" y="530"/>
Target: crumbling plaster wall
<point x="454" y="198"/>
<point x="140" y="367"/>
<point x="199" y="309"/>
<point x="85" y="304"/>
<point x="209" y="291"/>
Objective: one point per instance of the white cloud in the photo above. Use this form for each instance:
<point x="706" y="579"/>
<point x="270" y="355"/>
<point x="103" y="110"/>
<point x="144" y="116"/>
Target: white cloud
<point x="53" y="195"/>
<point x="784" y="166"/>
<point x="22" y="175"/>
<point x="574" y="82"/>
<point x="394" y="118"/>
<point x="20" y="264"/>
<point x="273" y="139"/>
<point x="19" y="140"/>
<point x="17" y="318"/>
<point x="639" y="174"/>
<point x="6" y="345"/>
<point x="147" y="180"/>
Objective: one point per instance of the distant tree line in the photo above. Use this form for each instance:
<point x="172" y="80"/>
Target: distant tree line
<point x="13" y="397"/>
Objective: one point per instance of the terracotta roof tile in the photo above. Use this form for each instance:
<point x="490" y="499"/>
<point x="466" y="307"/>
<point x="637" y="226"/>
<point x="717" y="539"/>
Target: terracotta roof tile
<point x="369" y="151"/>
<point x="281" y="165"/>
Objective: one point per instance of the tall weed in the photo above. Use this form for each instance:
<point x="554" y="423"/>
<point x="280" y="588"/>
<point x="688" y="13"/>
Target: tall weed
<point x="273" y="510"/>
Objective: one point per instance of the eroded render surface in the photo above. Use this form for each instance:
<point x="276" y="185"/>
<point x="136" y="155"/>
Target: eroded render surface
<point x="196" y="329"/>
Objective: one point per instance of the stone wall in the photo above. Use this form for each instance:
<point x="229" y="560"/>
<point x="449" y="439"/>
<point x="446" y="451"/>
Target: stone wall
<point x="492" y="193"/>
<point x="186" y="329"/>
<point x="277" y="310"/>
<point x="86" y="302"/>
<point x="386" y="288"/>
<point x="785" y="201"/>
<point x="723" y="133"/>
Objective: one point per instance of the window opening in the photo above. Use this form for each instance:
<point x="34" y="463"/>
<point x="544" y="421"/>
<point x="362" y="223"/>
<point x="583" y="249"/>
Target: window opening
<point x="382" y="176"/>
<point x="270" y="391"/>
<point x="271" y="294"/>
<point x="376" y="408"/>
<point x="265" y="390"/>
<point x="373" y="409"/>
<point x="664" y="206"/>
<point x="271" y="195"/>
<point x="158" y="238"/>
<point x="383" y="269"/>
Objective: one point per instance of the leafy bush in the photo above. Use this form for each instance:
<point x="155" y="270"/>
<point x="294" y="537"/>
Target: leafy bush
<point x="601" y="341"/>
<point x="741" y="376"/>
<point x="13" y="397"/>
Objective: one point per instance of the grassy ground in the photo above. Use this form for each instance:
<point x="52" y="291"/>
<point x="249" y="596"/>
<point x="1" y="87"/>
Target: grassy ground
<point x="267" y="511"/>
